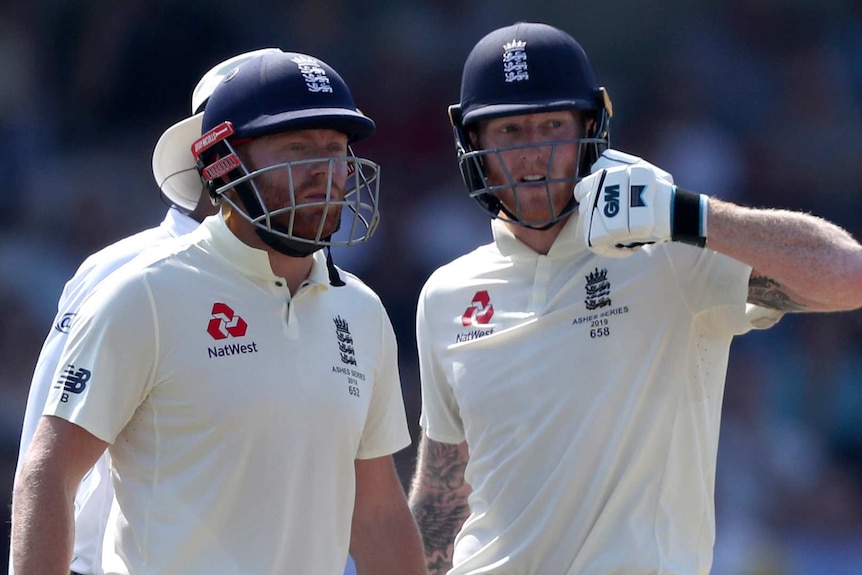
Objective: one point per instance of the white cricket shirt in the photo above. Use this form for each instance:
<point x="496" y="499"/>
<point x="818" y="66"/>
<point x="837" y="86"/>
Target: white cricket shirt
<point x="588" y="390"/>
<point x="235" y="411"/>
<point x="93" y="499"/>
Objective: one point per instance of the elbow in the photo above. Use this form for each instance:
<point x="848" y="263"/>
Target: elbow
<point x="854" y="297"/>
<point x="844" y="291"/>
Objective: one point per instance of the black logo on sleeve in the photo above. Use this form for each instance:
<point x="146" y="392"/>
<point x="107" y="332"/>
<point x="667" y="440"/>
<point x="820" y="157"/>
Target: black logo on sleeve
<point x="72" y="381"/>
<point x="64" y="324"/>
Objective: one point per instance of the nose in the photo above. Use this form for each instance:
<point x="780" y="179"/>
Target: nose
<point x="535" y="147"/>
<point x="320" y="168"/>
<point x="325" y="168"/>
<point x="327" y="174"/>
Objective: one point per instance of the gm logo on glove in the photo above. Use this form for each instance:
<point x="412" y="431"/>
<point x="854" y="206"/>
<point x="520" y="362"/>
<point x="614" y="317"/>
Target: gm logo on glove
<point x="612" y="201"/>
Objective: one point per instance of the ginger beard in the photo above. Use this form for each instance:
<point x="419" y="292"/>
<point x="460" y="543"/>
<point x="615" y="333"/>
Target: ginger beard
<point x="304" y="180"/>
<point x="308" y="203"/>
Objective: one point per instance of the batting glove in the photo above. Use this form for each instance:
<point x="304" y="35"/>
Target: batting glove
<point x="626" y="207"/>
<point x="611" y="158"/>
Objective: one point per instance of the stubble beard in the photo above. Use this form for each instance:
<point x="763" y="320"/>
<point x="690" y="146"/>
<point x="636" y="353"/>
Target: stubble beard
<point x="306" y="218"/>
<point x="535" y="206"/>
<point x="306" y="221"/>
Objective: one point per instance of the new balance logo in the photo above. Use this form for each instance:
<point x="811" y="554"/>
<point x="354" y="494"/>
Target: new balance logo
<point x="72" y="381"/>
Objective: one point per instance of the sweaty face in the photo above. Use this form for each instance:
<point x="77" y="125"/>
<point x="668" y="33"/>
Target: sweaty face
<point x="309" y="170"/>
<point x="535" y="175"/>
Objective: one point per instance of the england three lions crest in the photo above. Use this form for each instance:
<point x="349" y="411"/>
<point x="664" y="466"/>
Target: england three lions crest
<point x="345" y="341"/>
<point x="313" y="73"/>
<point x="598" y="289"/>
<point x="515" y="61"/>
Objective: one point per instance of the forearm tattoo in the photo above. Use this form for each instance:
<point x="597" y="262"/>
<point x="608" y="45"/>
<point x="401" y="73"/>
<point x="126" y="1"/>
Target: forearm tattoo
<point x="439" y="501"/>
<point x="766" y="292"/>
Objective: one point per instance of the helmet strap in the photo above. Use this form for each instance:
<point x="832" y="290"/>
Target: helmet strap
<point x="334" y="278"/>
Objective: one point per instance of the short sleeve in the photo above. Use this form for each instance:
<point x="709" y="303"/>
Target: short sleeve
<point x="715" y="287"/>
<point x="385" y="430"/>
<point x="107" y="365"/>
<point x="440" y="418"/>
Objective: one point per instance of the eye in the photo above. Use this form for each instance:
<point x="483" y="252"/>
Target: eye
<point x="337" y="149"/>
<point x="560" y="127"/>
<point x="555" y="123"/>
<point x="509" y="129"/>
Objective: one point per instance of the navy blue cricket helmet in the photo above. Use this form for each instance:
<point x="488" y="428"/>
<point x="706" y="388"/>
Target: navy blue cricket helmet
<point x="280" y="92"/>
<point x="526" y="68"/>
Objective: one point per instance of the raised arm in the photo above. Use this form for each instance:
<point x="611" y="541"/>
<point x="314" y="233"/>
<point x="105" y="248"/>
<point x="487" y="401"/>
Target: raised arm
<point x="43" y="521"/>
<point x="800" y="262"/>
<point x="438" y="499"/>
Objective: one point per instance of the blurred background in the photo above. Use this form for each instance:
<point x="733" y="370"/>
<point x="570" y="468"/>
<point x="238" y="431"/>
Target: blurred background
<point x="756" y="101"/>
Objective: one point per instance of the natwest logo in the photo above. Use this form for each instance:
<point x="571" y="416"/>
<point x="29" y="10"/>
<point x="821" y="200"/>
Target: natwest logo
<point x="480" y="310"/>
<point x="225" y="323"/>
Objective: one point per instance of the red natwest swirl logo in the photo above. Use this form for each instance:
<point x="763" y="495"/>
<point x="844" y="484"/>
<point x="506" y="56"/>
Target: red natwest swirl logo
<point x="225" y="323"/>
<point x="480" y="310"/>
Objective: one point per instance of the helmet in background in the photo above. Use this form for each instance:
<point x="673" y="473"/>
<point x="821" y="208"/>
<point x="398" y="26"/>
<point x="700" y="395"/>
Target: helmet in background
<point x="173" y="164"/>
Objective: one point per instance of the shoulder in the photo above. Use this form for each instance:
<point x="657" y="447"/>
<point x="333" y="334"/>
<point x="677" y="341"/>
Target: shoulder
<point x="356" y="294"/>
<point x="161" y="258"/>
<point x="105" y="262"/>
<point x="355" y="302"/>
<point x="354" y="286"/>
<point x="111" y="257"/>
<point x="451" y="280"/>
<point x="469" y="264"/>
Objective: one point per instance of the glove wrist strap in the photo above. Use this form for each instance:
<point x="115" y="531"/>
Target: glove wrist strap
<point x="688" y="217"/>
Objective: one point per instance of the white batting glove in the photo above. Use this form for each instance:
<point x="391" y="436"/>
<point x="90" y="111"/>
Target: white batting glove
<point x="625" y="207"/>
<point x="611" y="158"/>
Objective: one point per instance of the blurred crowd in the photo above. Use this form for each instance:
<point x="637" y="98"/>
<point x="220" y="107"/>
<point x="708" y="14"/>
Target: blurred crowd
<point x="756" y="101"/>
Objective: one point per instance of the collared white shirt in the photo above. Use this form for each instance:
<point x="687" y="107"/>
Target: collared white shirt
<point x="92" y="502"/>
<point x="237" y="410"/>
<point x="589" y="391"/>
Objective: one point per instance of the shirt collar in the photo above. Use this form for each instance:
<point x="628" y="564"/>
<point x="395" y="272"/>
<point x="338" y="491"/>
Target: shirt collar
<point x="177" y="223"/>
<point x="569" y="242"/>
<point x="216" y="237"/>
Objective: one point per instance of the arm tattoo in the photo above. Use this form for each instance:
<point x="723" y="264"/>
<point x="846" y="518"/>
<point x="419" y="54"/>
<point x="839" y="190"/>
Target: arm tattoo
<point x="438" y="500"/>
<point x="766" y="292"/>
